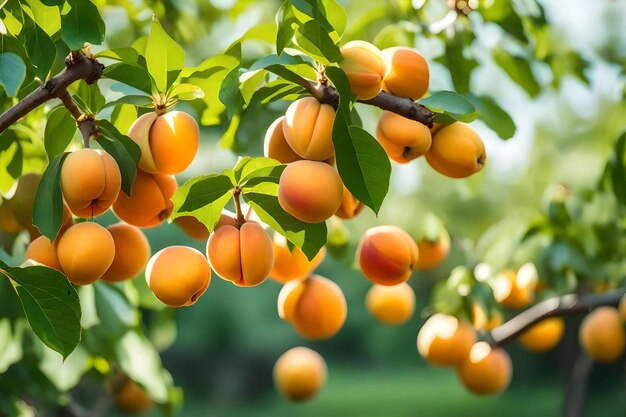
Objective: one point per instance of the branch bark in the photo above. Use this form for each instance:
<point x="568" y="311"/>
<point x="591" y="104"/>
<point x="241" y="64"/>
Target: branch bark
<point x="576" y="389"/>
<point x="565" y="305"/>
<point x="77" y="67"/>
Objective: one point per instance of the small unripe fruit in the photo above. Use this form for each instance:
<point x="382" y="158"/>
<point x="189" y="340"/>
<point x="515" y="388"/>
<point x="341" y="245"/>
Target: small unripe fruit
<point x="300" y="373"/>
<point x="407" y="72"/>
<point x="310" y="191"/>
<point x="403" y="139"/>
<point x="308" y="129"/>
<point x="168" y="143"/>
<point x="290" y="265"/>
<point x="392" y="305"/>
<point x="445" y="340"/>
<point x="457" y="151"/>
<point x="244" y="256"/>
<point x="44" y="252"/>
<point x="602" y="334"/>
<point x="86" y="250"/>
<point x="178" y="275"/>
<point x="486" y="370"/>
<point x="349" y="207"/>
<point x="315" y="306"/>
<point x="544" y="335"/>
<point x="132" y="399"/>
<point x="276" y="146"/>
<point x="387" y="255"/>
<point x="91" y="182"/>
<point x="432" y="253"/>
<point x="132" y="252"/>
<point x="365" y="68"/>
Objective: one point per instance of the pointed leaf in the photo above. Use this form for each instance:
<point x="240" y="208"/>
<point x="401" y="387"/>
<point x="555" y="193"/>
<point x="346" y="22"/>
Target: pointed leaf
<point x="48" y="206"/>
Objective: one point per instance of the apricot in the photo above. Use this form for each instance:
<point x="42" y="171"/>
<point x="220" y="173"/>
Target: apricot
<point x="521" y="287"/>
<point x="8" y="221"/>
<point x="315" y="306"/>
<point x="21" y="204"/>
<point x="445" y="340"/>
<point x="42" y="251"/>
<point x="602" y="334"/>
<point x="168" y="143"/>
<point x="457" y="151"/>
<point x="392" y="305"/>
<point x="480" y="320"/>
<point x="244" y="256"/>
<point x="300" y="373"/>
<point x="403" y="139"/>
<point x="276" y="146"/>
<point x="150" y="201"/>
<point x="544" y="335"/>
<point x="308" y="129"/>
<point x="432" y="253"/>
<point x="349" y="207"/>
<point x="132" y="252"/>
<point x="365" y="68"/>
<point x="132" y="399"/>
<point x="292" y="264"/>
<point x="310" y="191"/>
<point x="407" y="72"/>
<point x="86" y="250"/>
<point x="486" y="370"/>
<point x="178" y="275"/>
<point x="387" y="255"/>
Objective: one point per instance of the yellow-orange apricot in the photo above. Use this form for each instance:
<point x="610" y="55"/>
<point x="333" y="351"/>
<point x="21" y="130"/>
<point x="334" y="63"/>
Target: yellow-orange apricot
<point x="308" y="129"/>
<point x="486" y="370"/>
<point x="365" y="67"/>
<point x="150" y="201"/>
<point x="178" y="275"/>
<point x="436" y="128"/>
<point x="457" y="151"/>
<point x="391" y="304"/>
<point x="42" y="251"/>
<point x="132" y="252"/>
<point x="315" y="306"/>
<point x="544" y="335"/>
<point x="292" y="264"/>
<point x="193" y="227"/>
<point x="445" y="340"/>
<point x="276" y="146"/>
<point x="407" y="72"/>
<point x="300" y="373"/>
<point x="480" y="320"/>
<point x="432" y="253"/>
<point x="310" y="191"/>
<point x="622" y="308"/>
<point x="521" y="289"/>
<point x="86" y="250"/>
<point x="8" y="221"/>
<point x="349" y="207"/>
<point x="602" y="334"/>
<point x="403" y="139"/>
<point x="21" y="204"/>
<point x="91" y="182"/>
<point x="244" y="256"/>
<point x="132" y="399"/>
<point x="387" y="255"/>
<point x="168" y="142"/>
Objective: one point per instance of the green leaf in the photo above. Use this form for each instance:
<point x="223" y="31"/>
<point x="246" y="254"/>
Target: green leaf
<point x="451" y="104"/>
<point x="459" y="65"/>
<point x="39" y="47"/>
<point x="64" y="373"/>
<point x="286" y="22"/>
<point x="494" y="117"/>
<point x="313" y="39"/>
<point x="164" y="57"/>
<point x="47" y="17"/>
<point x="362" y="163"/>
<point x="123" y="117"/>
<point x="59" y="131"/>
<point x="91" y="97"/>
<point x="277" y="90"/>
<point x="315" y="10"/>
<point x="48" y="206"/>
<point x="132" y="75"/>
<point x="127" y="55"/>
<point x="135" y="100"/>
<point x="203" y="198"/>
<point x="289" y="67"/>
<point x="10" y="343"/>
<point x="12" y="73"/>
<point x="51" y="305"/>
<point x="186" y="91"/>
<point x="519" y="70"/>
<point x="116" y="315"/>
<point x="123" y="149"/>
<point x="229" y="93"/>
<point x="81" y="24"/>
<point x="250" y="168"/>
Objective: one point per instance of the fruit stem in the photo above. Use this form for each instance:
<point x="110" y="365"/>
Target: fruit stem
<point x="240" y="217"/>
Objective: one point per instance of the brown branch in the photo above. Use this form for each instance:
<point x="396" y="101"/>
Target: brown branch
<point x="240" y="216"/>
<point x="565" y="305"/>
<point x="86" y="123"/>
<point x="77" y="67"/>
<point x="576" y="389"/>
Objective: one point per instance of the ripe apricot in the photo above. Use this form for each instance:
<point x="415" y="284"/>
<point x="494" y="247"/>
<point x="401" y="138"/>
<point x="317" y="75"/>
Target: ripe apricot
<point x="244" y="256"/>
<point x="276" y="146"/>
<point x="86" y="250"/>
<point x="150" y="201"/>
<point x="407" y="72"/>
<point x="132" y="399"/>
<point x="387" y="255"/>
<point x="42" y="251"/>
<point x="432" y="253"/>
<point x="485" y="370"/>
<point x="168" y="142"/>
<point x="544" y="335"/>
<point x="457" y="151"/>
<point x="310" y="191"/>
<point x="8" y="221"/>
<point x="21" y="204"/>
<point x="292" y="264"/>
<point x="132" y="252"/>
<point x="349" y="207"/>
<point x="391" y="304"/>
<point x="196" y="229"/>
<point x="480" y="320"/>
<point x="178" y="275"/>
<point x="308" y="129"/>
<point x="300" y="373"/>
<point x="315" y="306"/>
<point x="91" y="182"/>
<point x="365" y="67"/>
<point x="403" y="139"/>
<point x="602" y="334"/>
<point x="445" y="340"/>
<point x="521" y="287"/>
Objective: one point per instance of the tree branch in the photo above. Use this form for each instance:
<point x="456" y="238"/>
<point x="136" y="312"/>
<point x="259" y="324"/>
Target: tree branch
<point x="77" y="67"/>
<point x="565" y="305"/>
<point x="576" y="390"/>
